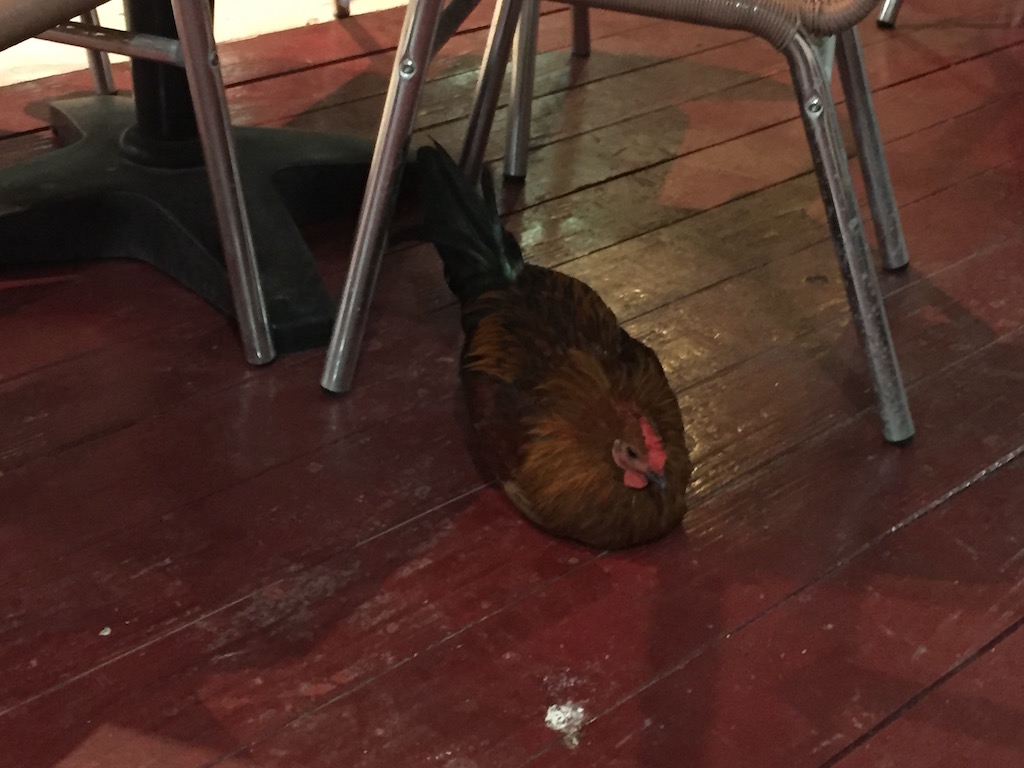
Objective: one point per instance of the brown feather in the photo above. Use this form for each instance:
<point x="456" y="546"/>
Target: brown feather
<point x="549" y="374"/>
<point x="574" y="416"/>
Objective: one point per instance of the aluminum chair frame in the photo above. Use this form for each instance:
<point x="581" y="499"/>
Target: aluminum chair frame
<point x="779" y="23"/>
<point x="99" y="61"/>
<point x="887" y="16"/>
<point x="196" y="52"/>
<point x="425" y="29"/>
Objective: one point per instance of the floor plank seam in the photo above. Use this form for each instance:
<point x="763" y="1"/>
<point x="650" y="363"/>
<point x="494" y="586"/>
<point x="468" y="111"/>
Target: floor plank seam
<point x="931" y="506"/>
<point x="952" y="64"/>
<point x="757" y="472"/>
<point x="363" y="54"/>
<point x="584" y="562"/>
<point x="227" y="606"/>
<point x="916" y="278"/>
<point x="914" y="700"/>
<point x="839" y="101"/>
<point x="300" y="458"/>
<point x="301" y="590"/>
<point x="440" y="81"/>
<point x="242" y="375"/>
<point x="422" y="515"/>
<point x="114" y="659"/>
<point x="723" y="636"/>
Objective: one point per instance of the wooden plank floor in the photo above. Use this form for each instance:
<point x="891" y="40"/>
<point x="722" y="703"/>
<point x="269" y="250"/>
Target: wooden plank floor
<point x="207" y="564"/>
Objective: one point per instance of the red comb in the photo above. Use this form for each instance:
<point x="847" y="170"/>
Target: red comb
<point x="656" y="455"/>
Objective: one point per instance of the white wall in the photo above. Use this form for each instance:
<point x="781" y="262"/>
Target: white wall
<point x="234" y="19"/>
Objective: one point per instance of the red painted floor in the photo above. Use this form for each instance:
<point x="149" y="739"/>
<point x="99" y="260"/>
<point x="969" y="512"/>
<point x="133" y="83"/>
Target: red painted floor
<point x="203" y="563"/>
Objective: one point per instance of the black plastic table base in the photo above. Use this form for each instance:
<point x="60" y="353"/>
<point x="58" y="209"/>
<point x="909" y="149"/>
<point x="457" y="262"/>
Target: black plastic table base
<point x="89" y="201"/>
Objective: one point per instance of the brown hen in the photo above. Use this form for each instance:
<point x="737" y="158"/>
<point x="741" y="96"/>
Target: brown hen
<point x="571" y="414"/>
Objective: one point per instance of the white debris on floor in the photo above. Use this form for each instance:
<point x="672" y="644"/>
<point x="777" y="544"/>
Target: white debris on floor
<point x="567" y="719"/>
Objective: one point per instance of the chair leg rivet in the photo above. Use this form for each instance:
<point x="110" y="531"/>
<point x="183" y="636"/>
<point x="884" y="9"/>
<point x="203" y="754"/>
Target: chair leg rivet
<point x="814" y="107"/>
<point x="407" y="69"/>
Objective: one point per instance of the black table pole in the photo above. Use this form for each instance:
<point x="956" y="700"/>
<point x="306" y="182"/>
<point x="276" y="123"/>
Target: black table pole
<point x="163" y="106"/>
<point x="128" y="182"/>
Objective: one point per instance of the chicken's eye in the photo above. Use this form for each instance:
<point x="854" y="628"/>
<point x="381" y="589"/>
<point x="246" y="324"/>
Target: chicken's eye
<point x="631" y="453"/>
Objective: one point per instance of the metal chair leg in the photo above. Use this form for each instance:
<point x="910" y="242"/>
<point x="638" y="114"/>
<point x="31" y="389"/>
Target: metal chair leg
<point x="407" y="78"/>
<point x="581" y="31"/>
<point x="488" y="85"/>
<point x="517" y="137"/>
<point x="865" y="297"/>
<point x="825" y="47"/>
<point x="194" y="23"/>
<point x="887" y="16"/>
<point x="869" y="149"/>
<point x="99" y="61"/>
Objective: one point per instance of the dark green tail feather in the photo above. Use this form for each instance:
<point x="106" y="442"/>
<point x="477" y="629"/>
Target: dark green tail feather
<point x="464" y="226"/>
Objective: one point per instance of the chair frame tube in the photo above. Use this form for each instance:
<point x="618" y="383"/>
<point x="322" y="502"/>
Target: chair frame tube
<point x="196" y="52"/>
<point x="887" y="16"/>
<point x="517" y="135"/>
<point x="873" y="167"/>
<point x="824" y="137"/>
<point x="407" y="77"/>
<point x="194" y="22"/>
<point x="865" y="297"/>
<point x="150" y="47"/>
<point x="488" y="85"/>
<point x="99" y="61"/>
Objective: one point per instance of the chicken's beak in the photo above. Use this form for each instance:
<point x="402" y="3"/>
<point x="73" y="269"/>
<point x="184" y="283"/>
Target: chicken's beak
<point x="656" y="479"/>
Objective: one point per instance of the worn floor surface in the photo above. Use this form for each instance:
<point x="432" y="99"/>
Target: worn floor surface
<point x="203" y="563"/>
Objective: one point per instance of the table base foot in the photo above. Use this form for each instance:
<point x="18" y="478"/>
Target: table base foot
<point x="92" y="200"/>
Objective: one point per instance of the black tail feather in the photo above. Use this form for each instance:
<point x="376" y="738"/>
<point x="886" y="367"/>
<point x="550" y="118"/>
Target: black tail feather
<point x="463" y="224"/>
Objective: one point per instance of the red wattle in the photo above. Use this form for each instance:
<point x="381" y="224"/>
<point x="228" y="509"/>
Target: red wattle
<point x="634" y="479"/>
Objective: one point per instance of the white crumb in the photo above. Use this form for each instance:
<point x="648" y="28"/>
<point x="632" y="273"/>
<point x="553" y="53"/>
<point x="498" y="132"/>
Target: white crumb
<point x="567" y="719"/>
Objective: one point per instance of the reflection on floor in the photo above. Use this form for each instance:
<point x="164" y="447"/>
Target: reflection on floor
<point x="207" y="564"/>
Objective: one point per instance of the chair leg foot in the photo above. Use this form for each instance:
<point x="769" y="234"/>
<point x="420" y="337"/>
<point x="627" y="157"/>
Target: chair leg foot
<point x="873" y="166"/>
<point x="193" y="19"/>
<point x="488" y="85"/>
<point x="407" y="77"/>
<point x="887" y="16"/>
<point x="865" y="297"/>
<point x="580" y="31"/>
<point x="517" y="137"/>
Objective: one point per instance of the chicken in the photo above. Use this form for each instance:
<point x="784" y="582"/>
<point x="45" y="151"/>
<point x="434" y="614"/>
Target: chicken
<point x="573" y="416"/>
